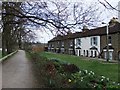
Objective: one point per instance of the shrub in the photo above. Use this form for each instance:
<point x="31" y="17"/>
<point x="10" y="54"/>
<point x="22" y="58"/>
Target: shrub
<point x="59" y="74"/>
<point x="70" y="68"/>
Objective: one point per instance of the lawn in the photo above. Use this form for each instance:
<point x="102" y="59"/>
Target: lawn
<point x="106" y="69"/>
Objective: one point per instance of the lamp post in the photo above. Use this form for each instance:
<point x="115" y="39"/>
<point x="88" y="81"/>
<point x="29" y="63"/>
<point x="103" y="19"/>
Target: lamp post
<point x="107" y="41"/>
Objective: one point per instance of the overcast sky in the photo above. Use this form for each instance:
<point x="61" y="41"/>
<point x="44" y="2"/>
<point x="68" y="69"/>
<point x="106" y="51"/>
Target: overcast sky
<point x="107" y="15"/>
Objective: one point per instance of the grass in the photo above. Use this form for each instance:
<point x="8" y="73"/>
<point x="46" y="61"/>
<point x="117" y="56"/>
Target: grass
<point x="106" y="69"/>
<point x="0" y="54"/>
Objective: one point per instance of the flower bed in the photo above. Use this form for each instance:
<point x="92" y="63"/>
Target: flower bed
<point x="62" y="74"/>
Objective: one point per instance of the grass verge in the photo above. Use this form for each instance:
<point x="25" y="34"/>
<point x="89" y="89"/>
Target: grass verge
<point x="108" y="70"/>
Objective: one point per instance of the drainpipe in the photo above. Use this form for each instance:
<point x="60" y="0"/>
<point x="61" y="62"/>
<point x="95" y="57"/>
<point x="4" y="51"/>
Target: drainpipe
<point x="107" y="41"/>
<point x="107" y="31"/>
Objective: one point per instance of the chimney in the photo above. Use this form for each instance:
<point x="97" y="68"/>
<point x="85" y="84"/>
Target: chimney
<point x="113" y="21"/>
<point x="69" y="32"/>
<point x="85" y="28"/>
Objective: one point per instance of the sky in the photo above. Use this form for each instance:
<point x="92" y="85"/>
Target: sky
<point x="106" y="16"/>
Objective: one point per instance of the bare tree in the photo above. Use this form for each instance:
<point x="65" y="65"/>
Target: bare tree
<point x="13" y="27"/>
<point x="61" y="17"/>
<point x="57" y="17"/>
<point x="107" y="5"/>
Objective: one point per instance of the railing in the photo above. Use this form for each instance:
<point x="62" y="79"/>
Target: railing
<point x="5" y="57"/>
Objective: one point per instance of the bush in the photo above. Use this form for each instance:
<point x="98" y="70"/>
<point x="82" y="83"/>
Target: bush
<point x="57" y="74"/>
<point x="70" y="68"/>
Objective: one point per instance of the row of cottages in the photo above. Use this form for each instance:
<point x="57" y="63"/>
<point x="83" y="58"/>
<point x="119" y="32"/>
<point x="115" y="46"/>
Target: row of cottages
<point x="89" y="43"/>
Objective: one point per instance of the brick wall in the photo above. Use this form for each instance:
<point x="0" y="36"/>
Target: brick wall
<point x="67" y="48"/>
<point x="119" y="45"/>
<point x="115" y="44"/>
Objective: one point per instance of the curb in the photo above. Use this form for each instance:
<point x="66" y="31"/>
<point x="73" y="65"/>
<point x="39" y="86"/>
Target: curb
<point x="5" y="57"/>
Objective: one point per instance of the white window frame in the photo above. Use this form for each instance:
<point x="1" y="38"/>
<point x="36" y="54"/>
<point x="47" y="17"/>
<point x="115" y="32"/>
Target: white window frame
<point x="78" y="41"/>
<point x="71" y="43"/>
<point x="62" y="44"/>
<point x="94" y="41"/>
<point x="109" y="39"/>
<point x="110" y="53"/>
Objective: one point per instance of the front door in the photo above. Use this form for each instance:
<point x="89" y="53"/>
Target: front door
<point x="110" y="56"/>
<point x="79" y="53"/>
<point x="105" y="55"/>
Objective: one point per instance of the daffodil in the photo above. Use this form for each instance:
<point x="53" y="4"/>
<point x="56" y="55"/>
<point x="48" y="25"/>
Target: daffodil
<point x="79" y="71"/>
<point x="107" y="79"/>
<point x="86" y="71"/>
<point x="101" y="79"/>
<point x="118" y="84"/>
<point x="69" y="80"/>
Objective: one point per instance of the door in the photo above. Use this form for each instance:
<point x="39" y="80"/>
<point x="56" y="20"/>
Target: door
<point x="95" y="53"/>
<point x="91" y="53"/>
<point x="79" y="53"/>
<point x="110" y="56"/>
<point x="87" y="53"/>
<point x="105" y="55"/>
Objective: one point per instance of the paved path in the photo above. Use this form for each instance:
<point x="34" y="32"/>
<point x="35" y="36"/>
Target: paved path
<point x="0" y="75"/>
<point x="18" y="72"/>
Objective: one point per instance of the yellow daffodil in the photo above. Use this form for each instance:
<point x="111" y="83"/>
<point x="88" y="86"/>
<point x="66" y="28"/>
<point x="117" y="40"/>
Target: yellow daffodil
<point x="69" y="80"/>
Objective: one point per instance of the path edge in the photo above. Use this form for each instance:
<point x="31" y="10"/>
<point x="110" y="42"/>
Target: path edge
<point x="7" y="56"/>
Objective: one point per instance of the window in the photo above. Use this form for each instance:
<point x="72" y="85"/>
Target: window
<point x="58" y="43"/>
<point x="71" y="43"/>
<point x="52" y="45"/>
<point x="91" y="41"/>
<point x="109" y="39"/>
<point x="94" y="41"/>
<point x="79" y="42"/>
<point x="62" y="44"/>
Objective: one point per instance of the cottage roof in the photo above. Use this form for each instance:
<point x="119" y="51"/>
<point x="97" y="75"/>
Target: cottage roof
<point x="92" y="32"/>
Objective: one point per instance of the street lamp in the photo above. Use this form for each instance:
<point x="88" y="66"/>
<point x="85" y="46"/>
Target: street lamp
<point x="107" y="42"/>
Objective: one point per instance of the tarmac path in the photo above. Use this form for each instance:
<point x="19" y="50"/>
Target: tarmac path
<point x="17" y="72"/>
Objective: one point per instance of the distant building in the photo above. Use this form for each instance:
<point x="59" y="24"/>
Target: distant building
<point x="89" y="43"/>
<point x="39" y="46"/>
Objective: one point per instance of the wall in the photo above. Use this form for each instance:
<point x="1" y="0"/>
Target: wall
<point x="68" y="48"/>
<point x="114" y="44"/>
<point x="86" y="45"/>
